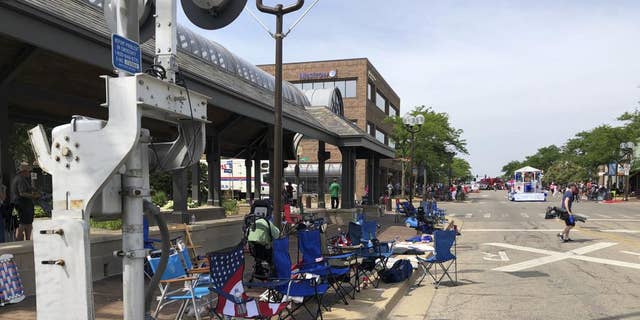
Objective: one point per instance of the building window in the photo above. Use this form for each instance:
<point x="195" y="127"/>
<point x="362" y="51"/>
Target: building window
<point x="393" y="111"/>
<point x="380" y="136"/>
<point x="347" y="88"/>
<point x="350" y="91"/>
<point x="369" y="91"/>
<point x="370" y="128"/>
<point x="380" y="101"/>
<point x="392" y="143"/>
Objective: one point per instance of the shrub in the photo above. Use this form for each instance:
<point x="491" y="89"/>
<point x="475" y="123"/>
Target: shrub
<point x="107" y="224"/>
<point x="230" y="206"/>
<point x="160" y="198"/>
<point x="39" y="212"/>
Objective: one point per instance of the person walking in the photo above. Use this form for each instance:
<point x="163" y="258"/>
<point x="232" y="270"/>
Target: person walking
<point x="334" y="191"/>
<point x="22" y="196"/>
<point x="569" y="220"/>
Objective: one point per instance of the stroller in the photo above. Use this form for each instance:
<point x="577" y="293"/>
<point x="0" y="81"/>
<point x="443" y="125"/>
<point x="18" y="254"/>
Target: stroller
<point x="259" y="233"/>
<point x="555" y="212"/>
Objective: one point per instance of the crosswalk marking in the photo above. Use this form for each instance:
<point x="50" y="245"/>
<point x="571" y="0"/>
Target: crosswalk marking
<point x="487" y="215"/>
<point x="524" y="215"/>
<point x="603" y="215"/>
<point x="468" y="215"/>
<point x="617" y="220"/>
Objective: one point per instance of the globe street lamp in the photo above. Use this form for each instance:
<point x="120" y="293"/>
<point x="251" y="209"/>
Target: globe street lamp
<point x="626" y="151"/>
<point x="412" y="124"/>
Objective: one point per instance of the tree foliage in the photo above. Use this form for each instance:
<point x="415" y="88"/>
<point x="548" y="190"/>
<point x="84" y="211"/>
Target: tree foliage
<point x="581" y="155"/>
<point x="436" y="143"/>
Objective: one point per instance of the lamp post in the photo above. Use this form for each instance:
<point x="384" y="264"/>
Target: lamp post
<point x="412" y="124"/>
<point x="279" y="11"/>
<point x="626" y="151"/>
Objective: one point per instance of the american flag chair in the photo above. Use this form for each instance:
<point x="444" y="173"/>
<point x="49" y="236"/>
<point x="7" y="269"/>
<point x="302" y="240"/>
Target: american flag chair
<point x="226" y="273"/>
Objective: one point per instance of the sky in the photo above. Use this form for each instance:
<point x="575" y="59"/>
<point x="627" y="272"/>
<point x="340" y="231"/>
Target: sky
<point x="515" y="76"/>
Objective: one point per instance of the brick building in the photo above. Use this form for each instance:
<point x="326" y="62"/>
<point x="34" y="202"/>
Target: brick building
<point x="368" y="100"/>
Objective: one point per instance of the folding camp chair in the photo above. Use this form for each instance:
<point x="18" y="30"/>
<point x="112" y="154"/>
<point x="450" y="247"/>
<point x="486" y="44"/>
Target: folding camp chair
<point x="374" y="252"/>
<point x="444" y="240"/>
<point x="300" y="286"/>
<point x="175" y="273"/>
<point x="313" y="261"/>
<point x="226" y="271"/>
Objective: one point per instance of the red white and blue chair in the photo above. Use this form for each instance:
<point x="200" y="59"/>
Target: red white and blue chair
<point x="226" y="272"/>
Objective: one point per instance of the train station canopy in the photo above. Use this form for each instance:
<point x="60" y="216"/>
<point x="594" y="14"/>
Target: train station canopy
<point x="55" y="50"/>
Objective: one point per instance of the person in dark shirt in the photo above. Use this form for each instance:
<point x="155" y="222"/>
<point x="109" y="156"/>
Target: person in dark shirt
<point x="22" y="196"/>
<point x="569" y="219"/>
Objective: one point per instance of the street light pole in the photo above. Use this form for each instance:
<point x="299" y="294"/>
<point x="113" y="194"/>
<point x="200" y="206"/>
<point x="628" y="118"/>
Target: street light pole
<point x="279" y="11"/>
<point x="412" y="125"/>
<point x="626" y="149"/>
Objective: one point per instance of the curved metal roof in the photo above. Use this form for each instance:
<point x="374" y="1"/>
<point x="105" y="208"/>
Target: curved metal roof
<point x="330" y="98"/>
<point x="218" y="56"/>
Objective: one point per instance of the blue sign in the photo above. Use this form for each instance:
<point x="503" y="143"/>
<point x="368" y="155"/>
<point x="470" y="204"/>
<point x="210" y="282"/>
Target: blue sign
<point x="612" y="169"/>
<point x="125" y="54"/>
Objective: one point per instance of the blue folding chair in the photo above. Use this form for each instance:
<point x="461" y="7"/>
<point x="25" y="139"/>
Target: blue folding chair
<point x="374" y="254"/>
<point x="313" y="261"/>
<point x="299" y="286"/>
<point x="444" y="241"/>
<point x="187" y="294"/>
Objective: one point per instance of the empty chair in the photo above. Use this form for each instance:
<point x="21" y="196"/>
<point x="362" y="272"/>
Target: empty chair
<point x="444" y="241"/>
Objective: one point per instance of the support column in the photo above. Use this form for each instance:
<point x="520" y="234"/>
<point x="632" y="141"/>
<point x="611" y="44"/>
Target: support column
<point x="272" y="188"/>
<point x="348" y="177"/>
<point x="213" y="163"/>
<point x="257" y="177"/>
<point x="377" y="178"/>
<point x="247" y="166"/>
<point x="6" y="163"/>
<point x="321" y="183"/>
<point x="195" y="183"/>
<point x="179" y="192"/>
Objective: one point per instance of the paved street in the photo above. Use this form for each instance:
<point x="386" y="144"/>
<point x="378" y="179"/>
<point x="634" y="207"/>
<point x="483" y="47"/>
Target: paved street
<point x="512" y="265"/>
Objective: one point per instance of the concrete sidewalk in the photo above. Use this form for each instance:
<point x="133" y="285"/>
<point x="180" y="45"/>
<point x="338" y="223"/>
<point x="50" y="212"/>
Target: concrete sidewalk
<point x="370" y="303"/>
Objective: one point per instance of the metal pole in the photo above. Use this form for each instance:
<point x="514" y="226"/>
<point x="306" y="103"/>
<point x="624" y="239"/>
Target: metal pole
<point x="277" y="132"/>
<point x="279" y="11"/>
<point x="413" y="153"/>
<point x="132" y="239"/>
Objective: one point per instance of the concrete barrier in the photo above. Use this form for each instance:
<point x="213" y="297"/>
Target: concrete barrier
<point x="211" y="235"/>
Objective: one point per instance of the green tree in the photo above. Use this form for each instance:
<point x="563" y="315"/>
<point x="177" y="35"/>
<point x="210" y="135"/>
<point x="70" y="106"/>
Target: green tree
<point x="461" y="169"/>
<point x="510" y="168"/>
<point x="564" y="172"/>
<point x="600" y="145"/>
<point x="436" y="142"/>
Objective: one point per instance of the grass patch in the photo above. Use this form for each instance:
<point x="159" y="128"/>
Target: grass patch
<point x="107" y="224"/>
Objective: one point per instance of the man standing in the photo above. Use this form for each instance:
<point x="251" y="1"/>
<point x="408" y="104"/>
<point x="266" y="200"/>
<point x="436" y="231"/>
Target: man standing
<point x="334" y="190"/>
<point x="569" y="219"/>
<point x="22" y="196"/>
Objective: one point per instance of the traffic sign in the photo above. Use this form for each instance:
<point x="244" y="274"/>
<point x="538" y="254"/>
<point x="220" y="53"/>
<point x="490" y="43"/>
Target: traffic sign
<point x="125" y="54"/>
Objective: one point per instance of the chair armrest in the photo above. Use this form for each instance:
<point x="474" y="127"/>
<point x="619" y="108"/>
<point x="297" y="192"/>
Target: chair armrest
<point x="199" y="270"/>
<point x="340" y="256"/>
<point x="179" y="280"/>
<point x="268" y="284"/>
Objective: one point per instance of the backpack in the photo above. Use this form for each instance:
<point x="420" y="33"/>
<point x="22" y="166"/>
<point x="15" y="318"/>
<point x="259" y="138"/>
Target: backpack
<point x="400" y="271"/>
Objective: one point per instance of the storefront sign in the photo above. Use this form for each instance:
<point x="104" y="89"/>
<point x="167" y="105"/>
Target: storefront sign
<point x="317" y="75"/>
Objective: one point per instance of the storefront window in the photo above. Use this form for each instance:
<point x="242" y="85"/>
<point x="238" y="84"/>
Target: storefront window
<point x="380" y="136"/>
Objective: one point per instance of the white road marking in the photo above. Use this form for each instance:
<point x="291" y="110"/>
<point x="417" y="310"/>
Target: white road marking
<point x="487" y="215"/>
<point x="505" y="215"/>
<point x="501" y="256"/>
<point x="616" y="220"/>
<point x="468" y="215"/>
<point x="524" y="215"/>
<point x="629" y="252"/>
<point x="603" y="215"/>
<point x="621" y="231"/>
<point x="515" y="230"/>
<point x="553" y="256"/>
<point x="485" y="195"/>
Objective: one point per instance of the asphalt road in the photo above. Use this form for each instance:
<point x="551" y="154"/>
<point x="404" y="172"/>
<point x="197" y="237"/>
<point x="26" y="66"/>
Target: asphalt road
<point x="511" y="264"/>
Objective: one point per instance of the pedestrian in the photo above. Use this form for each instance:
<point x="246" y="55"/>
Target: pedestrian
<point x="334" y="190"/>
<point x="5" y="212"/>
<point x="22" y="196"/>
<point x="289" y="191"/>
<point x="452" y="190"/>
<point x="569" y="220"/>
